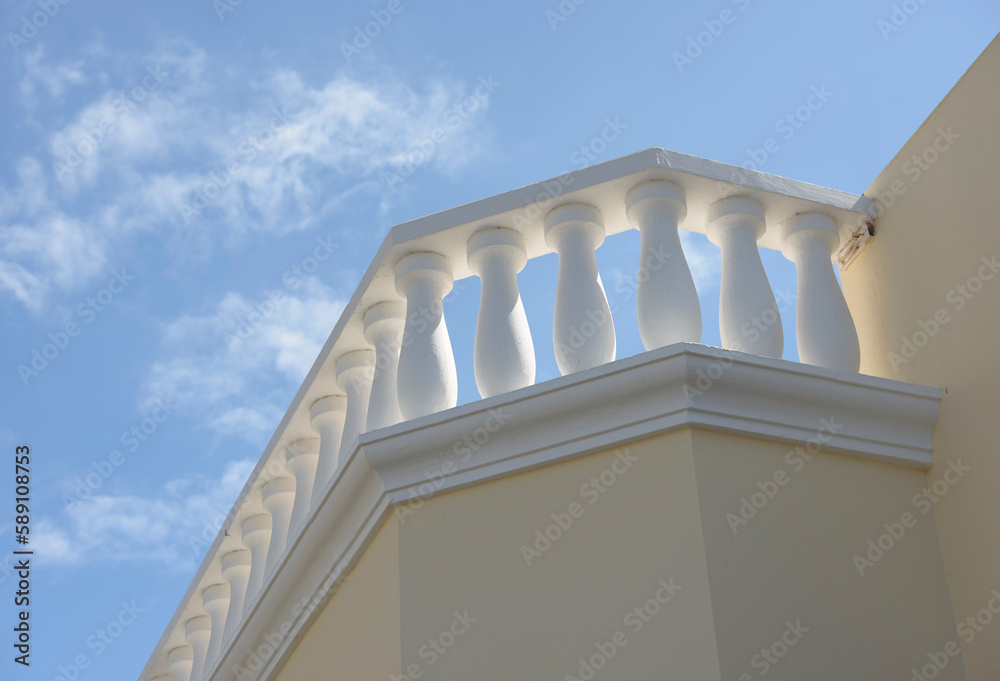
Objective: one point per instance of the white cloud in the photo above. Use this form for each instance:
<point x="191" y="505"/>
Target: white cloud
<point x="234" y="367"/>
<point x="55" y="79"/>
<point x="45" y="248"/>
<point x="185" y="150"/>
<point x="172" y="528"/>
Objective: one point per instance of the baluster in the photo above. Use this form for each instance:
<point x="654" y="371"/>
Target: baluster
<point x="180" y="661"/>
<point x="426" y="381"/>
<point x="384" y="330"/>
<point x="215" y="600"/>
<point x="355" y="371"/>
<point x="504" y="356"/>
<point x="257" y="538"/>
<point x="583" y="332"/>
<point x="666" y="300"/>
<point x="236" y="567"/>
<point x="197" y="632"/>
<point x="327" y="419"/>
<point x="824" y="328"/>
<point x="748" y="315"/>
<point x="278" y="498"/>
<point x="301" y="459"/>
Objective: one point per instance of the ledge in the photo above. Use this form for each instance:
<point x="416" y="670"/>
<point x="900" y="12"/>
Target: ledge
<point x="679" y="386"/>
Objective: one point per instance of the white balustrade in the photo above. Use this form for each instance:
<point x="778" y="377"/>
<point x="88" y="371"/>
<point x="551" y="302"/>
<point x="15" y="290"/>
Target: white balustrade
<point x="301" y="459"/>
<point x="355" y="371"/>
<point x="180" y="661"/>
<point x="824" y="328"/>
<point x="409" y="371"/>
<point x="583" y="333"/>
<point x="666" y="299"/>
<point x="278" y="498"/>
<point x="504" y="355"/>
<point x="749" y="320"/>
<point x="257" y="538"/>
<point x="236" y="572"/>
<point x="327" y="417"/>
<point x="426" y="381"/>
<point x="384" y="330"/>
<point x="215" y="600"/>
<point x="197" y="632"/>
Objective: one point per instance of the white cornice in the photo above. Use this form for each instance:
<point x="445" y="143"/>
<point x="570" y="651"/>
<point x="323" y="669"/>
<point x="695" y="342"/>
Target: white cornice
<point x="631" y="399"/>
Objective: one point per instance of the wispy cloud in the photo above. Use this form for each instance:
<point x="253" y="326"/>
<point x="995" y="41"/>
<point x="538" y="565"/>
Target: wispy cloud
<point x="160" y="133"/>
<point x="165" y="528"/>
<point x="234" y="368"/>
<point x="55" y="79"/>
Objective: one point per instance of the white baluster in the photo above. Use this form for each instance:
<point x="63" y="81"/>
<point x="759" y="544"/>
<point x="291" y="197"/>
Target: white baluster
<point x="257" y="538"/>
<point x="215" y="600"/>
<point x="384" y="330"/>
<point x="666" y="299"/>
<point x="327" y="419"/>
<point x="355" y="371"/>
<point x="179" y="662"/>
<point x="748" y="315"/>
<point x="824" y="328"/>
<point x="236" y="571"/>
<point x="426" y="381"/>
<point x="278" y="498"/>
<point x="583" y="332"/>
<point x="301" y="459"/>
<point x="197" y="632"/>
<point x="504" y="356"/>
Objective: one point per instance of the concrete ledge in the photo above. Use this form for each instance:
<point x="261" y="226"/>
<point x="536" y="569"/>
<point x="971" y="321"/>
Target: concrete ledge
<point x="679" y="386"/>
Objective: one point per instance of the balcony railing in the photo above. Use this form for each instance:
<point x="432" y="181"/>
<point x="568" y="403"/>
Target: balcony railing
<point x="389" y="358"/>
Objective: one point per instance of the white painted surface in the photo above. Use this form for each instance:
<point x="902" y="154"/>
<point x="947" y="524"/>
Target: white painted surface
<point x="384" y="330"/>
<point x="278" y="498"/>
<point x="749" y="320"/>
<point x="355" y="371"/>
<point x="824" y="329"/>
<point x="583" y="333"/>
<point x="301" y="459"/>
<point x="503" y="355"/>
<point x="197" y="631"/>
<point x="427" y="381"/>
<point x="215" y="600"/>
<point x="326" y="418"/>
<point x="180" y="661"/>
<point x="666" y="300"/>
<point x="257" y="538"/>
<point x="236" y="572"/>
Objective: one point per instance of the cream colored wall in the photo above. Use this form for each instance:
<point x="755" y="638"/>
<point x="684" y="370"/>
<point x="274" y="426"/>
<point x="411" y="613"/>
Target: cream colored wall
<point x="448" y="591"/>
<point x="929" y="241"/>
<point x="792" y="561"/>
<point x="462" y="552"/>
<point x="356" y="637"/>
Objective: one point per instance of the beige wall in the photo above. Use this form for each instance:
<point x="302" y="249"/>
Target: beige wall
<point x="459" y="589"/>
<point x="793" y="561"/>
<point x="356" y="636"/>
<point x="936" y="225"/>
<point x="462" y="551"/>
<point x="665" y="517"/>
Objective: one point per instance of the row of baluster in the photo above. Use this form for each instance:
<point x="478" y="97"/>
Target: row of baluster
<point x="409" y="370"/>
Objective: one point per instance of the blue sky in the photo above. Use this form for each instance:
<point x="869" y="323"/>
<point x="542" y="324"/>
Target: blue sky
<point x="111" y="255"/>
